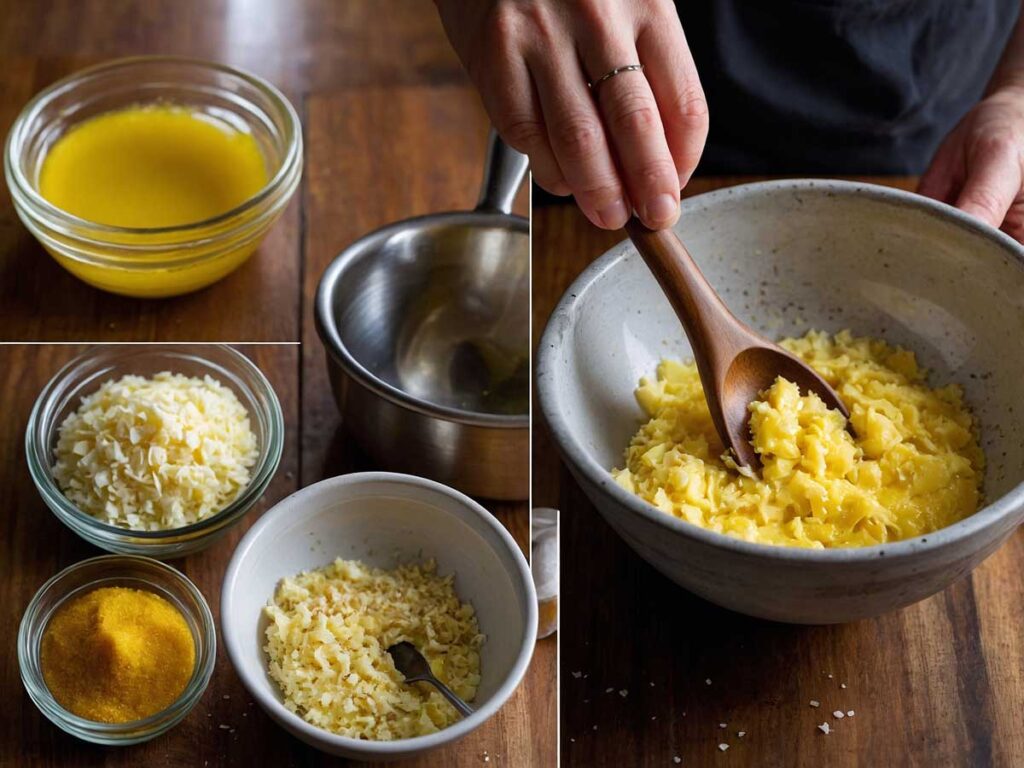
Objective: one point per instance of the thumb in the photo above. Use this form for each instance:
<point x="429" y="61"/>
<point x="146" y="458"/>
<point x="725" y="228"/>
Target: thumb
<point x="993" y="183"/>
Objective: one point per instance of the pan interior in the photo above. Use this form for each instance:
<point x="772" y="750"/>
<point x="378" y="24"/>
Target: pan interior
<point x="440" y="310"/>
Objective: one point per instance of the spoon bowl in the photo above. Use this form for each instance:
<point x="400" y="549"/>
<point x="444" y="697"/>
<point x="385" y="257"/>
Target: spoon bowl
<point x="416" y="669"/>
<point x="735" y="363"/>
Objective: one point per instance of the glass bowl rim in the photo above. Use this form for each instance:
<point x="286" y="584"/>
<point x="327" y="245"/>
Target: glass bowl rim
<point x="150" y="725"/>
<point x="271" y="450"/>
<point x="15" y="138"/>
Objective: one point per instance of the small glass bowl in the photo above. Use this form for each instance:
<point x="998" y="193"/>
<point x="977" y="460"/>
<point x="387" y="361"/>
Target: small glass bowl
<point x="164" y="261"/>
<point x="83" y="375"/>
<point x="117" y="571"/>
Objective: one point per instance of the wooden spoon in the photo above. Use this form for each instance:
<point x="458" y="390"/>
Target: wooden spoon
<point x="735" y="363"/>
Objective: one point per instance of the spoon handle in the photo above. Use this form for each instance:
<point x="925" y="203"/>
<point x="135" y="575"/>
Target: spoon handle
<point x="714" y="332"/>
<point x="464" y="709"/>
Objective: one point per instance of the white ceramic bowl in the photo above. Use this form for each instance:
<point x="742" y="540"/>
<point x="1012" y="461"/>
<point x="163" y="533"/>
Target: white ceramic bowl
<point x="377" y="517"/>
<point x="789" y="256"/>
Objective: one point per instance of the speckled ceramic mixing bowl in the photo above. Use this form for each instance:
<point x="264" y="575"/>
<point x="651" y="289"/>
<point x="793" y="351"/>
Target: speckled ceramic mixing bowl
<point x="789" y="256"/>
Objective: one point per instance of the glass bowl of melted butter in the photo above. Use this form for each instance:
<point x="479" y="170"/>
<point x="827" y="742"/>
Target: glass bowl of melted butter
<point x="154" y="176"/>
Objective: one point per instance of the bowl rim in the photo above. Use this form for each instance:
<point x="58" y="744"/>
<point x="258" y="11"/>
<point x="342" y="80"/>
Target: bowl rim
<point x="398" y="747"/>
<point x="270" y="453"/>
<point x="133" y="731"/>
<point x="327" y="327"/>
<point x="563" y="319"/>
<point x="292" y="157"/>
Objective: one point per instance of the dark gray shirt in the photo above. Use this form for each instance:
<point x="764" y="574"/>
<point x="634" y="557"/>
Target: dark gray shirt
<point x="839" y="86"/>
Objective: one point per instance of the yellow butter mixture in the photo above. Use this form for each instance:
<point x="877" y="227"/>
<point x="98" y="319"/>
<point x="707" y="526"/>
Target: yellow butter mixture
<point x="913" y="464"/>
<point x="156" y="166"/>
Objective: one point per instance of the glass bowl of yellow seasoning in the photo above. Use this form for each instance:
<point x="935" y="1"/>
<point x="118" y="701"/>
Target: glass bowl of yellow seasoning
<point x="117" y="649"/>
<point x="153" y="176"/>
<point x="154" y="450"/>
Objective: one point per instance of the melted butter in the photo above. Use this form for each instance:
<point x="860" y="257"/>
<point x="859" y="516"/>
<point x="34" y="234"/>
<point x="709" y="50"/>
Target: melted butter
<point x="152" y="167"/>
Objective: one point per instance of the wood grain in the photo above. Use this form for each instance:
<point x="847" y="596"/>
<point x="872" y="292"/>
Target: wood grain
<point x="938" y="683"/>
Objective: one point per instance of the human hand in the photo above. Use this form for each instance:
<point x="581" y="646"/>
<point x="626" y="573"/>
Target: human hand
<point x="980" y="166"/>
<point x="629" y="145"/>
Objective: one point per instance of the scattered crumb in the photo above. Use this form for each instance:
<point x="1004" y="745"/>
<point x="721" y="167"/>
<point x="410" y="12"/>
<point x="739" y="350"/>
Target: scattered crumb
<point x="608" y="690"/>
<point x="722" y="747"/>
<point x="224" y="727"/>
<point x="577" y="675"/>
<point x="652" y="684"/>
<point x="830" y="677"/>
<point x="708" y="681"/>
<point x="723" y="725"/>
<point x="824" y="728"/>
<point x="595" y="727"/>
<point x="838" y="714"/>
<point x="677" y="759"/>
<point x="815" y="703"/>
<point x="572" y="740"/>
<point x="654" y="717"/>
<point x="850" y="713"/>
<point x="227" y="696"/>
<point x="623" y="693"/>
<point x="842" y="685"/>
<point x="740" y="734"/>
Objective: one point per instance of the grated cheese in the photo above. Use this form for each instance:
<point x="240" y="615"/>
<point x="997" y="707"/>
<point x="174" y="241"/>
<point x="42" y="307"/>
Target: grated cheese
<point x="154" y="454"/>
<point x="327" y="644"/>
<point x="912" y="466"/>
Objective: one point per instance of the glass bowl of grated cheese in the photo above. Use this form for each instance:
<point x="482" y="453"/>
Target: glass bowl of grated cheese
<point x="154" y="450"/>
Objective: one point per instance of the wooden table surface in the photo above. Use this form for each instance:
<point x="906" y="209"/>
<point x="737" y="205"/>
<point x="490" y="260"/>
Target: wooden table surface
<point x="392" y="130"/>
<point x="940" y="683"/>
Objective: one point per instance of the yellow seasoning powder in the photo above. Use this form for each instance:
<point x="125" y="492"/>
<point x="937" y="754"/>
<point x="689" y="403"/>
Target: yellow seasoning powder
<point x="116" y="654"/>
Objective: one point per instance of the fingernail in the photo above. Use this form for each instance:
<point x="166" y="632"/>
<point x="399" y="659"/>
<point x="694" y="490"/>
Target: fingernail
<point x="662" y="211"/>
<point x="615" y="215"/>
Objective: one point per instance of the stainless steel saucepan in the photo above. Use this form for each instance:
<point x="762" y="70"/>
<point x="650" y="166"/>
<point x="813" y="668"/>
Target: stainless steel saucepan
<point x="425" y="324"/>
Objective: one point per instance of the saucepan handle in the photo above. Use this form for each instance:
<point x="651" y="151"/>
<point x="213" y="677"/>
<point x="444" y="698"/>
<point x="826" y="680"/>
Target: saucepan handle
<point x="503" y="173"/>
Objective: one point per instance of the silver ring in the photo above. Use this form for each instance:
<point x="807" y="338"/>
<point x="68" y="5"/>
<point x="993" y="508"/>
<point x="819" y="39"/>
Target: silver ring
<point x="613" y="73"/>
